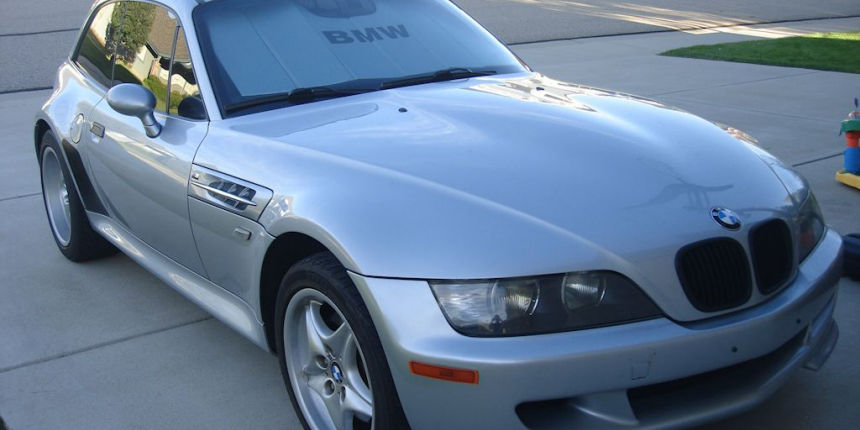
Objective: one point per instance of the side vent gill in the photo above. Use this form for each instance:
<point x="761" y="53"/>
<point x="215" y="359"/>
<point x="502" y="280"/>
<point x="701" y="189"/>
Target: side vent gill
<point x="229" y="193"/>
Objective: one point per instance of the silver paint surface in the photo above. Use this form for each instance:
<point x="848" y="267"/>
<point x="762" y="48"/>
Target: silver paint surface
<point x="489" y="177"/>
<point x="582" y="366"/>
<point x="494" y="177"/>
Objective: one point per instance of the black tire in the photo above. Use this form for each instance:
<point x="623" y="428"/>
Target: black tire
<point x="322" y="272"/>
<point x="84" y="243"/>
<point x="851" y="242"/>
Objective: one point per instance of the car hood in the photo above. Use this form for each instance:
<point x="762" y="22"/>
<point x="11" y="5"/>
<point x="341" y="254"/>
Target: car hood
<point x="575" y="177"/>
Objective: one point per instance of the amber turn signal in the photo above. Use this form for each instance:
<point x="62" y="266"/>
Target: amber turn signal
<point x="444" y="373"/>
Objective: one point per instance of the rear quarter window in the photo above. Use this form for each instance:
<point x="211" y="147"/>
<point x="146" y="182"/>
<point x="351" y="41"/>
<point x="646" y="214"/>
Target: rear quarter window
<point x="95" y="55"/>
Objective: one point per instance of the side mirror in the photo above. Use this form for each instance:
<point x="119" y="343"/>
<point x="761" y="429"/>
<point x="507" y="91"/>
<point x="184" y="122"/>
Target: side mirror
<point x="137" y="101"/>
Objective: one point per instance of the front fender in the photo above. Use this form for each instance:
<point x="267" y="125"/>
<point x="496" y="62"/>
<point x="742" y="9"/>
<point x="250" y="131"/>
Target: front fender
<point x="384" y="223"/>
<point x="276" y="225"/>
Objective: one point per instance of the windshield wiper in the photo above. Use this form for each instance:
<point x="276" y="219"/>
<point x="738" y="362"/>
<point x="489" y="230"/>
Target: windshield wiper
<point x="437" y="76"/>
<point x="297" y="96"/>
<point x="309" y="94"/>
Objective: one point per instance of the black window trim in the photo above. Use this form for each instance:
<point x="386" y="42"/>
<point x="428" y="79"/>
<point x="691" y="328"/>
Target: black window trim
<point x="180" y="27"/>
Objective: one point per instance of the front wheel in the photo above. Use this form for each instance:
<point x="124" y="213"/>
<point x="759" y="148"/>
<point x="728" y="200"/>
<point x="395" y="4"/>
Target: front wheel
<point x="330" y="355"/>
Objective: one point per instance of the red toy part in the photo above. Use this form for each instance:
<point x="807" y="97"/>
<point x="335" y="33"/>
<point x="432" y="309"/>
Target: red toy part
<point x="851" y="138"/>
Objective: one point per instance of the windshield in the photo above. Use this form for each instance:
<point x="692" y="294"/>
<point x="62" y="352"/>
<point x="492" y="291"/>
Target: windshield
<point x="258" y="52"/>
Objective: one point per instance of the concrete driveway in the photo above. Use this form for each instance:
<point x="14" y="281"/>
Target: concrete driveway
<point x="106" y="345"/>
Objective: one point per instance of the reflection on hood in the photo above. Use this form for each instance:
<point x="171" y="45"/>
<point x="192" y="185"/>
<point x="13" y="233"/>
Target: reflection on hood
<point x="541" y="89"/>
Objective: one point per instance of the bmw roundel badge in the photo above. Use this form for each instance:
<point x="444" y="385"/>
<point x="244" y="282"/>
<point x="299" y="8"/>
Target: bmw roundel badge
<point x="726" y="218"/>
<point x="336" y="373"/>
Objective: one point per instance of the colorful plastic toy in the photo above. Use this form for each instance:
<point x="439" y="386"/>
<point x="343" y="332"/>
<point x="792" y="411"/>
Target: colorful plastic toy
<point x="850" y="175"/>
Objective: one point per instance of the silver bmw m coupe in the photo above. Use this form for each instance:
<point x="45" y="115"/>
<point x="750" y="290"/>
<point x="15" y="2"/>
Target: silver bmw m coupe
<point x="425" y="231"/>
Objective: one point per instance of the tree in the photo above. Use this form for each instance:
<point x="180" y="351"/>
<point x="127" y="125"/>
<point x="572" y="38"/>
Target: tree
<point x="129" y="28"/>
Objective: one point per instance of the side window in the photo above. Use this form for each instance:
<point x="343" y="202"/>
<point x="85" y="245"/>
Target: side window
<point x="143" y="43"/>
<point x="185" y="99"/>
<point x="95" y="53"/>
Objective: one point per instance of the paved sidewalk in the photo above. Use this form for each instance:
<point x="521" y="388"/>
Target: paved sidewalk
<point x="105" y="345"/>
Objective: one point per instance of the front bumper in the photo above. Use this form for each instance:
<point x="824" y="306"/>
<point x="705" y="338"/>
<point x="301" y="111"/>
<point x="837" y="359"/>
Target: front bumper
<point x="656" y="373"/>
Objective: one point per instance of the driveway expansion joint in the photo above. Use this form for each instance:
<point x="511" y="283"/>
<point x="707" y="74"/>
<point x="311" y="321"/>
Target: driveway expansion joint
<point x="21" y="196"/>
<point x="815" y="160"/>
<point x="673" y="30"/>
<point x="697" y="100"/>
<point x="35" y="33"/>
<point x="25" y="90"/>
<point x="100" y="345"/>
<point x="730" y="84"/>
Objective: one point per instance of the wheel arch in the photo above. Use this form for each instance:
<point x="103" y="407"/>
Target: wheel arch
<point x="39" y="131"/>
<point x="71" y="158"/>
<point x="283" y="253"/>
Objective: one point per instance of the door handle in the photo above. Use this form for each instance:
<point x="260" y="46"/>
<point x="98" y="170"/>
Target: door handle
<point x="97" y="129"/>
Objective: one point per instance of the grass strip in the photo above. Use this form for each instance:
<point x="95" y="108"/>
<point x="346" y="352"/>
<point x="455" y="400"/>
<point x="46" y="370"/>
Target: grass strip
<point x="838" y="52"/>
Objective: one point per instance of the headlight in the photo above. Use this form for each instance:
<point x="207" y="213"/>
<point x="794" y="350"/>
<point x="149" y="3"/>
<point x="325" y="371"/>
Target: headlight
<point x="811" y="226"/>
<point x="521" y="306"/>
<point x="794" y="183"/>
<point x="809" y="219"/>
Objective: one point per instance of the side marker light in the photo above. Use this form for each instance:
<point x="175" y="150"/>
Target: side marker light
<point x="444" y="373"/>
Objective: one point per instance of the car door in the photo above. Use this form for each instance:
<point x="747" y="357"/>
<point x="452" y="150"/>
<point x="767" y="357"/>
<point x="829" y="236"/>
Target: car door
<point x="143" y="181"/>
<point x="83" y="85"/>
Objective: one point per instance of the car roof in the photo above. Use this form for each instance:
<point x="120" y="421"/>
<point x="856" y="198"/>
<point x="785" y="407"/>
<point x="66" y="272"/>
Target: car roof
<point x="173" y="4"/>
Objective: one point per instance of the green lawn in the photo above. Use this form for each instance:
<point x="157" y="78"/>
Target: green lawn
<point x="160" y="90"/>
<point x="821" y="51"/>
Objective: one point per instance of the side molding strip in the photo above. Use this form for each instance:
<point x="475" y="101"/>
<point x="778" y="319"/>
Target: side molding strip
<point x="223" y="305"/>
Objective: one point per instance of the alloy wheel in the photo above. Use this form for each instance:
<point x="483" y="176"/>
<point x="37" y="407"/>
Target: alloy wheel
<point x="56" y="196"/>
<point x="325" y="363"/>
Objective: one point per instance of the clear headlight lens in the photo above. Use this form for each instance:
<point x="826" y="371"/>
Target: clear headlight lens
<point x="811" y="226"/>
<point x="794" y="183"/>
<point x="809" y="219"/>
<point x="522" y="306"/>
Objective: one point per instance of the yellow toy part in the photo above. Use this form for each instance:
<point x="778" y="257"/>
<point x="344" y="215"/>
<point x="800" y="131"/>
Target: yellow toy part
<point x="849" y="179"/>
